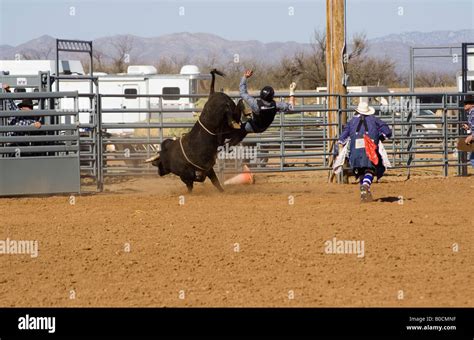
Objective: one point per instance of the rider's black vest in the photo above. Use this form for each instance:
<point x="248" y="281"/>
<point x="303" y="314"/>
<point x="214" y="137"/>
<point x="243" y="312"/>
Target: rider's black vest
<point x="264" y="118"/>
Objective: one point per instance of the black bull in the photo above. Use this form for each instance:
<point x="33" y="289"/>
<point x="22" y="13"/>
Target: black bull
<point x="193" y="156"/>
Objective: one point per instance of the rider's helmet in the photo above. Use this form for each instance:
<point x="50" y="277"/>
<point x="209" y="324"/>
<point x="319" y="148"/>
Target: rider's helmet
<point x="267" y="93"/>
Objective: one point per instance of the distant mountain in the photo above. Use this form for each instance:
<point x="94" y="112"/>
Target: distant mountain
<point x="6" y="50"/>
<point x="39" y="48"/>
<point x="397" y="47"/>
<point x="184" y="47"/>
<point x="436" y="38"/>
<point x="193" y="47"/>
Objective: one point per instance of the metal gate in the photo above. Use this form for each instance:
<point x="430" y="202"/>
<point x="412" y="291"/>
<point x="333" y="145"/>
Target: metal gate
<point x="39" y="160"/>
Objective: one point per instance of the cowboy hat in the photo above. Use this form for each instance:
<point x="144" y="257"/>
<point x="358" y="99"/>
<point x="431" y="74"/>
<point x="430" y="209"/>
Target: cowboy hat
<point x="364" y="109"/>
<point x="26" y="103"/>
<point x="469" y="99"/>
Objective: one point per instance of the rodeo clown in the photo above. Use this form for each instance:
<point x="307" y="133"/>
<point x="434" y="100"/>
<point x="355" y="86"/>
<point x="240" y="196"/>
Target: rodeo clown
<point x="367" y="157"/>
<point x="263" y="108"/>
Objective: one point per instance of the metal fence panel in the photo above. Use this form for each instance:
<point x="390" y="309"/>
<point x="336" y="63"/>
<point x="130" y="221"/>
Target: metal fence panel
<point x="39" y="160"/>
<point x="424" y="134"/>
<point x="42" y="175"/>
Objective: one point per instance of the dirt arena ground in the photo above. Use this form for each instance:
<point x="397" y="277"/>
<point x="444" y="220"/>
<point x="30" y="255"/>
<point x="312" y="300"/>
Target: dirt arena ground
<point x="135" y="245"/>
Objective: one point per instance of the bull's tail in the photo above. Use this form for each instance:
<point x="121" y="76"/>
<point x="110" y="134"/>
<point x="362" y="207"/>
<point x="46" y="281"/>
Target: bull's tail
<point x="213" y="73"/>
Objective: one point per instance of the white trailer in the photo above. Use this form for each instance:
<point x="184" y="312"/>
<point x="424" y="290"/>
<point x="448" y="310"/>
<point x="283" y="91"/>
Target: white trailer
<point x="470" y="79"/>
<point x="32" y="67"/>
<point x="139" y="80"/>
<point x="469" y="70"/>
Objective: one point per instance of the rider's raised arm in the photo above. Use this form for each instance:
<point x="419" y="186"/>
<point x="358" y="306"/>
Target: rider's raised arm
<point x="251" y="101"/>
<point x="284" y="107"/>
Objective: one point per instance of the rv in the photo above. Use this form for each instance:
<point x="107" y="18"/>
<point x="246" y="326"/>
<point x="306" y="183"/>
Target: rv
<point x="139" y="80"/>
<point x="470" y="81"/>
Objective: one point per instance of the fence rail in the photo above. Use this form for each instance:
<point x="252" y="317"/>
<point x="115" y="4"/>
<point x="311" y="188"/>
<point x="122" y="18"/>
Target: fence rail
<point x="425" y="134"/>
<point x="115" y="142"/>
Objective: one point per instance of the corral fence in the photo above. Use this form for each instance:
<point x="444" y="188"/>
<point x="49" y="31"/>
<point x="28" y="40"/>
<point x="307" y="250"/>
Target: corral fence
<point x="39" y="159"/>
<point x="425" y="132"/>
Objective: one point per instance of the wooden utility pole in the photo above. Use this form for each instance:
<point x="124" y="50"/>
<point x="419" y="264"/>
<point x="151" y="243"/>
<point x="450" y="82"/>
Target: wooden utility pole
<point x="335" y="62"/>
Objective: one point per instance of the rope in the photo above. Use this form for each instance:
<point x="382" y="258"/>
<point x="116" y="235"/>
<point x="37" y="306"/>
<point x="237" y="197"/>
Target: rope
<point x="209" y="132"/>
<point x="185" y="156"/>
<point x="184" y="153"/>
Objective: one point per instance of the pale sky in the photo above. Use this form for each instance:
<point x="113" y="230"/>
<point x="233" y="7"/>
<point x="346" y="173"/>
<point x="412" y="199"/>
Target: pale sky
<point x="264" y="20"/>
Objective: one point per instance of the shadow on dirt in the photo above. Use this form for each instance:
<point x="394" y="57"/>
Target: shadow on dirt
<point x="392" y="199"/>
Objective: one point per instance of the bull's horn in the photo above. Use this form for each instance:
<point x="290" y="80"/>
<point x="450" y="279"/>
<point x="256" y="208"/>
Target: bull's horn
<point x="151" y="159"/>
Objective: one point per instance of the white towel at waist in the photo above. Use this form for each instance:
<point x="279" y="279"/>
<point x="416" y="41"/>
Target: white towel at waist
<point x="341" y="158"/>
<point x="383" y="153"/>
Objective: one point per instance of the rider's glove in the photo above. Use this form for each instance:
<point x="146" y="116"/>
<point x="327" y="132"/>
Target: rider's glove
<point x="292" y="88"/>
